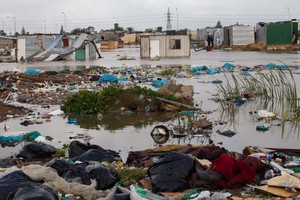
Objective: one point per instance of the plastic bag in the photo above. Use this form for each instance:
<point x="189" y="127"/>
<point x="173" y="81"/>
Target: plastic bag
<point x="36" y="150"/>
<point x="34" y="193"/>
<point x="97" y="155"/>
<point x="76" y="148"/>
<point x="11" y="182"/>
<point x="105" y="178"/>
<point x="172" y="173"/>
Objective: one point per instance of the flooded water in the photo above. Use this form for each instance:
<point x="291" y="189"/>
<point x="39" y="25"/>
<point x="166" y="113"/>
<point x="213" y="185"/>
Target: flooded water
<point x="132" y="132"/>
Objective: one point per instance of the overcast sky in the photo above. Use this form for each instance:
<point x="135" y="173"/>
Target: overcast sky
<point x="39" y="16"/>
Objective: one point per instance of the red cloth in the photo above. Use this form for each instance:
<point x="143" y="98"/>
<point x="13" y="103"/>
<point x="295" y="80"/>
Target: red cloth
<point x="234" y="171"/>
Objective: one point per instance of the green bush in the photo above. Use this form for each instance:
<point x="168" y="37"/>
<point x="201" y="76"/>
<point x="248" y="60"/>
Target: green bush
<point x="90" y="102"/>
<point x="83" y="102"/>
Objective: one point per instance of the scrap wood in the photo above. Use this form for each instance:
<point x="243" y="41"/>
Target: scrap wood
<point x="276" y="191"/>
<point x="170" y="147"/>
<point x="175" y="195"/>
<point x="285" y="180"/>
<point x="250" y="198"/>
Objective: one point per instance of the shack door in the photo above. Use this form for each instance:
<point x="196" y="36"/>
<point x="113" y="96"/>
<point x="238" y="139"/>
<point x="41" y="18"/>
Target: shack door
<point x="154" y="48"/>
<point x="80" y="53"/>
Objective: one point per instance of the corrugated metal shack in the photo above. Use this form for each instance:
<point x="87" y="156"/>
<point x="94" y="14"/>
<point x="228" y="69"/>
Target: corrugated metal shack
<point x="278" y="33"/>
<point x="168" y="45"/>
<point x="238" y="35"/>
<point x="37" y="42"/>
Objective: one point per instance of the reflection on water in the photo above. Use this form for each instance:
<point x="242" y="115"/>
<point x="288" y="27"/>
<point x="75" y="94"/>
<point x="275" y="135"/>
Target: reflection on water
<point x="116" y="121"/>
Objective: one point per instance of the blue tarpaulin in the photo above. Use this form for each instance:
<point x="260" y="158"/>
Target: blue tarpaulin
<point x="159" y="83"/>
<point x="32" y="72"/>
<point x="108" y="78"/>
<point x="228" y="65"/>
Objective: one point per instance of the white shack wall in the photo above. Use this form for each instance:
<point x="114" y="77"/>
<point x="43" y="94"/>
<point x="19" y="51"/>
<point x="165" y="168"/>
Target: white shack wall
<point x="164" y="46"/>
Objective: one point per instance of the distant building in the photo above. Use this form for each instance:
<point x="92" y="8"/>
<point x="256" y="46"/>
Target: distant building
<point x="12" y="49"/>
<point x="109" y="40"/>
<point x="277" y="33"/>
<point x="131" y="38"/>
<point x="165" y="46"/>
<point x="217" y="33"/>
<point x="239" y="35"/>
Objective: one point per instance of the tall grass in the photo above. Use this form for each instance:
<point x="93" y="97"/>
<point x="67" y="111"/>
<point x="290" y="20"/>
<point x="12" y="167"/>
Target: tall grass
<point x="276" y="87"/>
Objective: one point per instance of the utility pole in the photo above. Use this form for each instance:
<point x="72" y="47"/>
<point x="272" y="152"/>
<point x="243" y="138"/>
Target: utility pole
<point x="15" y="23"/>
<point x="45" y="30"/>
<point x="177" y="18"/>
<point x="289" y="13"/>
<point x="169" y="27"/>
<point x="65" y="21"/>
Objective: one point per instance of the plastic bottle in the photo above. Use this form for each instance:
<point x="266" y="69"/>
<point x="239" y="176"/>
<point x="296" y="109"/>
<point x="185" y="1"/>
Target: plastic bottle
<point x="275" y="165"/>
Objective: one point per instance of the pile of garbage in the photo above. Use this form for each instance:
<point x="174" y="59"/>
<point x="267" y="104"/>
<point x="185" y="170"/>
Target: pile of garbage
<point x="166" y="172"/>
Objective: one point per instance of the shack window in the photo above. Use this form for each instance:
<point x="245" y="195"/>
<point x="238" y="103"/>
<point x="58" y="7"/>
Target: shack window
<point x="175" y="44"/>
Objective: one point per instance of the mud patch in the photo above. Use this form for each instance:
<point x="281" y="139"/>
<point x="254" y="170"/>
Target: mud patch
<point x="8" y="111"/>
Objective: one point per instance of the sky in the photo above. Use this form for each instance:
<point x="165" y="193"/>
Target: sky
<point x="47" y="16"/>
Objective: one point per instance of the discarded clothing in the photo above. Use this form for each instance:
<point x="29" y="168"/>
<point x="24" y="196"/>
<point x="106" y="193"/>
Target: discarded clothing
<point x="234" y="171"/>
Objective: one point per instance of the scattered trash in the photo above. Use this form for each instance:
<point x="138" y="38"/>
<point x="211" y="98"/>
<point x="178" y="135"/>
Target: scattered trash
<point x="160" y="134"/>
<point x="72" y="121"/>
<point x="227" y="133"/>
<point x="32" y="72"/>
<point x="217" y="81"/>
<point x="262" y="128"/>
<point x="265" y="114"/>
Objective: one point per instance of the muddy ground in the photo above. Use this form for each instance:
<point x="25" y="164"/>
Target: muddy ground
<point x="49" y="88"/>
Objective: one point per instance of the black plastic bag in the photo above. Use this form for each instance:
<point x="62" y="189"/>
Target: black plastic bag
<point x="105" y="178"/>
<point x="13" y="181"/>
<point x="77" y="148"/>
<point x="172" y="173"/>
<point x="60" y="165"/>
<point x="36" y="150"/>
<point x="77" y="171"/>
<point x="99" y="155"/>
<point x="34" y="193"/>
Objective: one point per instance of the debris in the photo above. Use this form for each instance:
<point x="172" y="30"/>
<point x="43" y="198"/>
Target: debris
<point x="276" y="191"/>
<point x="262" y="114"/>
<point x="227" y="133"/>
<point x="285" y="180"/>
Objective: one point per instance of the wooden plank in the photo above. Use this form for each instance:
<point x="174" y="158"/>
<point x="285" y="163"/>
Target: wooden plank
<point x="276" y="191"/>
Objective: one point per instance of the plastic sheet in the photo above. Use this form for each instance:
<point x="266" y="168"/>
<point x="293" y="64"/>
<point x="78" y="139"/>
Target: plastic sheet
<point x="34" y="193"/>
<point x="172" y="173"/>
<point x="11" y="182"/>
<point x="36" y="150"/>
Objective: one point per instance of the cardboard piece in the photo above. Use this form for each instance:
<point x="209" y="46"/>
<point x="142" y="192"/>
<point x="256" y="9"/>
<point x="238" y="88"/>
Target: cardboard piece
<point x="285" y="180"/>
<point x="276" y="191"/>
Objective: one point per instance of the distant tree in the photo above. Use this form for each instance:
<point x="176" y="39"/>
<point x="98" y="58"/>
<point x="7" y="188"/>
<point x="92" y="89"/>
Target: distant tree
<point x="117" y="27"/>
<point x="2" y="33"/>
<point x="23" y="32"/>
<point x="149" y="30"/>
<point x="159" y="29"/>
<point x="61" y="30"/>
<point x="129" y="29"/>
<point x="218" y="25"/>
<point x="78" y="31"/>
